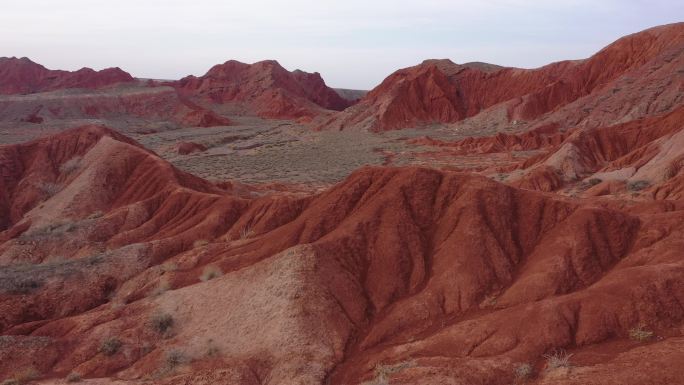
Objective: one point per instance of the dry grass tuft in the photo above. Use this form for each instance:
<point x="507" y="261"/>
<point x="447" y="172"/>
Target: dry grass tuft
<point x="162" y="323"/>
<point x="246" y="232"/>
<point x="558" y="359"/>
<point x="641" y="334"/>
<point x="73" y="377"/>
<point x="523" y="372"/>
<point x="210" y="272"/>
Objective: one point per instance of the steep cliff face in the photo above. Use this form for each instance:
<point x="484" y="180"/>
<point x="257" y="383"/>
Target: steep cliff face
<point x="442" y="91"/>
<point x="264" y="88"/>
<point x="22" y="76"/>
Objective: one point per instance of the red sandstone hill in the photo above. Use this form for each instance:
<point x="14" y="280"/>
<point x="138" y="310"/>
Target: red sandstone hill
<point x="264" y="88"/>
<point x="637" y="75"/>
<point x="22" y="76"/>
<point x="643" y="157"/>
<point x="115" y="264"/>
<point x="132" y="106"/>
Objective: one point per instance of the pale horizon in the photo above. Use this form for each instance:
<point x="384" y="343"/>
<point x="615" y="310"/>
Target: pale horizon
<point x="353" y="45"/>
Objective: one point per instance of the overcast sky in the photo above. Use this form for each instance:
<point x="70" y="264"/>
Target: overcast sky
<point x="352" y="43"/>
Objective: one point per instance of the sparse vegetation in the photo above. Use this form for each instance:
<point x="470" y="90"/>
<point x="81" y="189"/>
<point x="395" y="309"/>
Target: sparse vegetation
<point x="73" y="377"/>
<point x="523" y="371"/>
<point x="50" y="189"/>
<point x="246" y="232"/>
<point x="175" y="358"/>
<point x="640" y="334"/>
<point x="169" y="266"/>
<point x="594" y="181"/>
<point x="637" y="185"/>
<point x="27" y="278"/>
<point x="172" y="360"/>
<point x="54" y="229"/>
<point x="489" y="302"/>
<point x="24" y="286"/>
<point x="558" y="359"/>
<point x="162" y="322"/>
<point x="210" y="272"/>
<point x="212" y="349"/>
<point x="110" y="346"/>
<point x="382" y="372"/>
<point x="70" y="165"/>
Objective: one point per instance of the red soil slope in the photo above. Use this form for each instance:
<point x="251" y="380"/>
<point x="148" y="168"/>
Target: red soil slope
<point x="148" y="104"/>
<point x="441" y="91"/>
<point x="264" y="88"/>
<point x="647" y="151"/>
<point x="22" y="76"/>
<point x="641" y="157"/>
<point x="395" y="275"/>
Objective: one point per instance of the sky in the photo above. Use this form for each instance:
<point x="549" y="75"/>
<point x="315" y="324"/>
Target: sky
<point x="352" y="43"/>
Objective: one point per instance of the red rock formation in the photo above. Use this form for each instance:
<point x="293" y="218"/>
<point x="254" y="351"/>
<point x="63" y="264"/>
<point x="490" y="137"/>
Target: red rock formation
<point x="152" y="104"/>
<point x="185" y="148"/>
<point x="405" y="275"/>
<point x="22" y="76"/>
<point x="542" y="137"/>
<point x="645" y="150"/>
<point x="264" y="88"/>
<point x="198" y="116"/>
<point x="441" y="91"/>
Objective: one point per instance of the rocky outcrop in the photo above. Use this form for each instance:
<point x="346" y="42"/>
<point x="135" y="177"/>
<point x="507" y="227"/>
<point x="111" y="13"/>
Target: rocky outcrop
<point x="22" y="76"/>
<point x="264" y="88"/>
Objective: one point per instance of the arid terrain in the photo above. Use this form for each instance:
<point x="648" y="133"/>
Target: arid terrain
<point x="459" y="224"/>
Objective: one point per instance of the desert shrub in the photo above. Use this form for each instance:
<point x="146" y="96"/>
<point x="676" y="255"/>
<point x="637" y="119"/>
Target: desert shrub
<point x="558" y="359"/>
<point x="162" y="322"/>
<point x="50" y="189"/>
<point x="73" y="377"/>
<point x="22" y="286"/>
<point x="200" y="243"/>
<point x="638" y="185"/>
<point x="210" y="272"/>
<point x="594" y="181"/>
<point x="640" y="334"/>
<point x="523" y="370"/>
<point x="175" y="358"/>
<point x="110" y="346"/>
<point x="70" y="165"/>
<point x="212" y="349"/>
